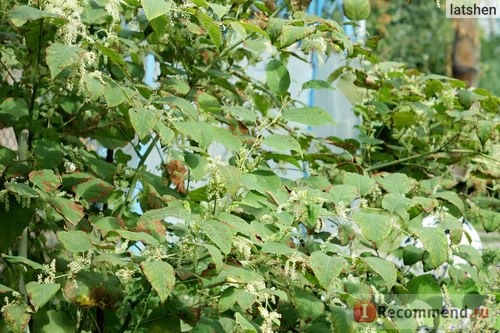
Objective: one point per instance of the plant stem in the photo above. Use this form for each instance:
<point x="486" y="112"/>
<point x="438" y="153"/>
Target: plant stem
<point x="135" y="179"/>
<point x="22" y="247"/>
<point x="139" y="320"/>
<point x="402" y="160"/>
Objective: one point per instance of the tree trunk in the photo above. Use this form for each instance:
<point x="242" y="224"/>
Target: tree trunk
<point x="465" y="52"/>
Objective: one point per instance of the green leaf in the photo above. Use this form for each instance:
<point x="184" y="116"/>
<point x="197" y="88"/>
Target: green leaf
<point x="291" y="34"/>
<point x="70" y="210"/>
<point x="107" y="224"/>
<point x="282" y="143"/>
<point x="357" y="10"/>
<point x="471" y="254"/>
<point x="425" y="288"/>
<point x="4" y="289"/>
<point x="404" y="118"/>
<point x="53" y="321"/>
<point x="116" y="95"/>
<point x="312" y="116"/>
<point x="183" y="105"/>
<point x="245" y="299"/>
<point x="490" y="220"/>
<point x="239" y="29"/>
<point x="341" y="320"/>
<point x="396" y="204"/>
<point x="241" y="113"/>
<point x="308" y="305"/>
<point x="227" y="299"/>
<point x="15" y="108"/>
<point x="261" y="181"/>
<point x="40" y="293"/>
<point x="363" y="183"/>
<point x="316" y="84"/>
<point x="215" y="255"/>
<point x="17" y="317"/>
<point x="284" y="158"/>
<point x="277" y="248"/>
<point x="176" y="86"/>
<point x="236" y="223"/>
<point x="384" y="268"/>
<point x="46" y="180"/>
<point x="253" y="28"/>
<point x="21" y="189"/>
<point x="22" y="260"/>
<point x="94" y="87"/>
<point x="113" y="55"/>
<point x="161" y="213"/>
<point x="219" y="10"/>
<point x="165" y="133"/>
<point x="21" y="14"/>
<point x="452" y="198"/>
<point x="219" y="233"/>
<point x="61" y="56"/>
<point x="326" y="268"/>
<point x="143" y="120"/>
<point x="93" y="190"/>
<point x="161" y="276"/>
<point x="6" y="158"/>
<point x="434" y="241"/>
<point x="278" y="78"/>
<point x="74" y="241"/>
<point x="155" y="8"/>
<point x="344" y="193"/>
<point x="300" y="5"/>
<point x="375" y="227"/>
<point x="213" y="29"/>
<point x="412" y="255"/>
<point x="199" y="132"/>
<point x="235" y="274"/>
<point x="396" y="183"/>
<point x="226" y="138"/>
<point x="244" y="324"/>
<point x="138" y="236"/>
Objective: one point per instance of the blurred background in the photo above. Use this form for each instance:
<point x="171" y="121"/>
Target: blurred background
<point x="420" y="35"/>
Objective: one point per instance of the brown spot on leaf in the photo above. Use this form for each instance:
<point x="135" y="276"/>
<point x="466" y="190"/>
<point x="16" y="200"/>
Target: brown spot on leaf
<point x="177" y="171"/>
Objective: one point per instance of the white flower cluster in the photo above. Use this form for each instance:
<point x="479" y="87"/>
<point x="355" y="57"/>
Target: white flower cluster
<point x="270" y="318"/>
<point x="377" y="296"/>
<point x="50" y="271"/>
<point x="216" y="185"/>
<point x="294" y="198"/>
<point x="113" y="8"/>
<point x="125" y="275"/>
<point x="448" y="97"/>
<point x="87" y="60"/>
<point x="341" y="210"/>
<point x="369" y="329"/>
<point x="317" y="44"/>
<point x="72" y="11"/>
<point x="18" y="300"/>
<point x="243" y="247"/>
<point x="440" y="213"/>
<point x="79" y="264"/>
<point x="154" y="254"/>
<point x="291" y="266"/>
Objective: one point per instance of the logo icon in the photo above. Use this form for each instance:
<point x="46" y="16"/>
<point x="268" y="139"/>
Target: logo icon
<point x="365" y="311"/>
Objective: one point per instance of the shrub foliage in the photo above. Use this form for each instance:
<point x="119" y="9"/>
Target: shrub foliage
<point x="225" y="243"/>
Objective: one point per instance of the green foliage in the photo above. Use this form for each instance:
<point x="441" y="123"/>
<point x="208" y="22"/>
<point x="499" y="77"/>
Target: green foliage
<point x="415" y="33"/>
<point x="223" y="244"/>
<point x="489" y="75"/>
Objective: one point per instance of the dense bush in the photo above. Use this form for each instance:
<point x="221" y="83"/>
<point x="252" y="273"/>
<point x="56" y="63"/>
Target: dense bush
<point x="244" y="249"/>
